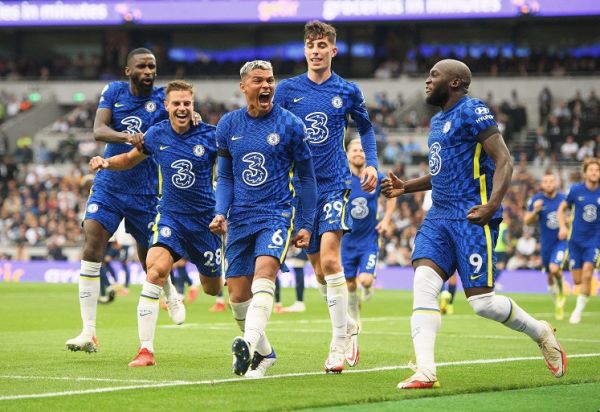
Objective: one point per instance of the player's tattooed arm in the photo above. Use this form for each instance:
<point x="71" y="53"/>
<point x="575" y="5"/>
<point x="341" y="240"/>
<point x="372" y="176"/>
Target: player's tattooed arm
<point x="391" y="186"/>
<point x="563" y="227"/>
<point x="122" y="161"/>
<point x="104" y="133"/>
<point x="496" y="149"/>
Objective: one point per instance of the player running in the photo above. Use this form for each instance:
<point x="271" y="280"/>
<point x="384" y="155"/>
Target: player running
<point x="260" y="147"/>
<point x="543" y="207"/>
<point x="186" y="156"/>
<point x="470" y="169"/>
<point x="125" y="111"/>
<point x="584" y="240"/>
<point x="360" y="248"/>
<point x="324" y="101"/>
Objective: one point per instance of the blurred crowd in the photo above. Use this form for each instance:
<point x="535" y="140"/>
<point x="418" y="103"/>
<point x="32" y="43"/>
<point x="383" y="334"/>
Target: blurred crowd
<point x="11" y="105"/>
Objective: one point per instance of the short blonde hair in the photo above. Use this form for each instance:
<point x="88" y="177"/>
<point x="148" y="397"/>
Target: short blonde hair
<point x="253" y="65"/>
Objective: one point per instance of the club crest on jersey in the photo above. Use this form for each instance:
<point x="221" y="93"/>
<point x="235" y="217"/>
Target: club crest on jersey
<point x="447" y="126"/>
<point x="92" y="208"/>
<point x="589" y="213"/>
<point x="273" y="139"/>
<point x="150" y="106"/>
<point x="165" y="231"/>
<point x="435" y="160"/>
<point x="198" y="150"/>
<point x="337" y="102"/>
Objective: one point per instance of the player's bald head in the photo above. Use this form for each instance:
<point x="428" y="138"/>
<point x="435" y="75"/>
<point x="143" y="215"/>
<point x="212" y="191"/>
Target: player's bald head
<point x="455" y="70"/>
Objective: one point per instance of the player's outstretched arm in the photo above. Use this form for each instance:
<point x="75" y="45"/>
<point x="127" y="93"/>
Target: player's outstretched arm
<point x="308" y="198"/>
<point x="104" y="133"/>
<point x="123" y="161"/>
<point x="391" y="186"/>
<point x="496" y="149"/>
<point x="563" y="226"/>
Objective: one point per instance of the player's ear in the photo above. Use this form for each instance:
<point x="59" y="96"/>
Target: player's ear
<point x="334" y="51"/>
<point x="166" y="103"/>
<point x="127" y="71"/>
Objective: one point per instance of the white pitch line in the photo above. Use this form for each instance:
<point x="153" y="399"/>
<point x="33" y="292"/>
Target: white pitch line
<point x="285" y="375"/>
<point x="229" y="325"/>
<point x="82" y="379"/>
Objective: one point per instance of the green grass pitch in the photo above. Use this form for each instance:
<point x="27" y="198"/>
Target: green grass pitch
<point x="483" y="365"/>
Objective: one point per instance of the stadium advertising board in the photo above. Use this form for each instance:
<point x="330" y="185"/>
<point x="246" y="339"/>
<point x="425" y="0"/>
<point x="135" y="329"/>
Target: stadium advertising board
<point x="156" y="12"/>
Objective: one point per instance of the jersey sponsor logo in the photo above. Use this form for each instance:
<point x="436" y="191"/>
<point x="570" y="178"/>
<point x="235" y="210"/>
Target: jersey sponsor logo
<point x="198" y="150"/>
<point x="165" y="231"/>
<point x="447" y="126"/>
<point x="297" y="99"/>
<point x="133" y="124"/>
<point x="274" y="247"/>
<point x="273" y="139"/>
<point x="119" y="104"/>
<point x="589" y="213"/>
<point x="150" y="106"/>
<point x="337" y="102"/>
<point x="475" y="277"/>
<point x="481" y="110"/>
<point x="236" y="137"/>
<point x="184" y="177"/>
<point x="552" y="220"/>
<point x="435" y="160"/>
<point x="92" y="208"/>
<point x="360" y="209"/>
<point x="484" y="118"/>
<point x="317" y="131"/>
<point x="164" y="147"/>
<point x="255" y="174"/>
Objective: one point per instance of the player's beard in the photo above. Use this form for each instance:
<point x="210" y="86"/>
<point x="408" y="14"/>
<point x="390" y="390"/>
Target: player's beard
<point x="143" y="88"/>
<point x="438" y="96"/>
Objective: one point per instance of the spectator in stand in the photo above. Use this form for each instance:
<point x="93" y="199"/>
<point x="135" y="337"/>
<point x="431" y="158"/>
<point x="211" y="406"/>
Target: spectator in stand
<point x="568" y="150"/>
<point x="587" y="150"/>
<point x="545" y="104"/>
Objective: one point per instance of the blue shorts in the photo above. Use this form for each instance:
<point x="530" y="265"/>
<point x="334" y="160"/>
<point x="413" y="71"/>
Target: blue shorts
<point x="188" y="236"/>
<point x="554" y="255"/>
<point x="460" y="245"/>
<point x="332" y="214"/>
<point x="109" y="209"/>
<point x="249" y="238"/>
<point x="580" y="254"/>
<point x="359" y="257"/>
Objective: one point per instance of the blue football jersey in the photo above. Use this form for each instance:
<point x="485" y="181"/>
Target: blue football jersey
<point x="461" y="172"/>
<point x="131" y="114"/>
<point x="186" y="165"/>
<point x="263" y="152"/>
<point x="324" y="109"/>
<point x="363" y="209"/>
<point x="586" y="224"/>
<point x="548" y="218"/>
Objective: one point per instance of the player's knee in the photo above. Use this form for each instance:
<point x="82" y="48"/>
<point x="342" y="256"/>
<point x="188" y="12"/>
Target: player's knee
<point x="330" y="264"/>
<point x="426" y="288"/>
<point x="366" y="280"/>
<point x="211" y="288"/>
<point x="351" y="284"/>
<point x="486" y="306"/>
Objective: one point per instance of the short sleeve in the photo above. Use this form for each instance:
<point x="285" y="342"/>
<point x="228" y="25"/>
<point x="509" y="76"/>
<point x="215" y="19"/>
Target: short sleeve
<point x="150" y="139"/>
<point x="530" y="204"/>
<point x="478" y="119"/>
<point x="107" y="96"/>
